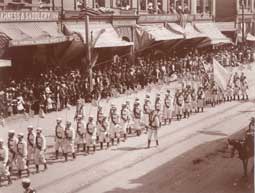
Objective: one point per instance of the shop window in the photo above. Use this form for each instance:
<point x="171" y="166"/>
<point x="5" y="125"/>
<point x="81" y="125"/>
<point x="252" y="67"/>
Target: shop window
<point x="100" y="3"/>
<point x="123" y="4"/>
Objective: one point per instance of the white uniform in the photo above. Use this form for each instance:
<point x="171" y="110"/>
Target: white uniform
<point x="114" y="125"/>
<point x="154" y="125"/>
<point x="21" y="155"/>
<point x="103" y="129"/>
<point x="12" y="147"/>
<point x="40" y="149"/>
<point x="4" y="169"/>
<point x="59" y="137"/>
<point x="168" y="108"/>
<point x="138" y="117"/>
<point x="80" y="133"/>
<point x="124" y="120"/>
<point x="91" y="133"/>
<point x="244" y="88"/>
<point x="30" y="145"/>
<point x="146" y="112"/>
<point x="69" y="140"/>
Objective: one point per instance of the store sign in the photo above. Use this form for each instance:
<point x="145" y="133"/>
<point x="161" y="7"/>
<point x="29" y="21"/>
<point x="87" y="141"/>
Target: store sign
<point x="19" y="16"/>
<point x="5" y="63"/>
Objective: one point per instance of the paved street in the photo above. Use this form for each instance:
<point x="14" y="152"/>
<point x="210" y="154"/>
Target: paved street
<point x="118" y="168"/>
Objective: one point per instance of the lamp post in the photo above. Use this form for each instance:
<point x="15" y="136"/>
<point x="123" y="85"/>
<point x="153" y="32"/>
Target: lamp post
<point x="243" y="35"/>
<point x="88" y="45"/>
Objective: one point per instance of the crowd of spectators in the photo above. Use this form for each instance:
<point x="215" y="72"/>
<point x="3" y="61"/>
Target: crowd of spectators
<point x="58" y="87"/>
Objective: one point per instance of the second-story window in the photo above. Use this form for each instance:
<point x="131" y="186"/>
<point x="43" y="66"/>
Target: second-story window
<point x="125" y="4"/>
<point x="99" y="3"/>
<point x="45" y="1"/>
<point x="143" y="5"/>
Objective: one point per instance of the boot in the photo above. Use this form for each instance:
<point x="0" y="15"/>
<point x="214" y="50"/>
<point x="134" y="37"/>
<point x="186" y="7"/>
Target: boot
<point x="149" y="143"/>
<point x="9" y="179"/>
<point x="157" y="142"/>
<point x="87" y="149"/>
<point x="125" y="137"/>
<point x="27" y="163"/>
<point x="37" y="168"/>
<point x="19" y="173"/>
<point x="78" y="147"/>
<point x="56" y="154"/>
<point x="94" y="148"/>
<point x="118" y="140"/>
<point x="101" y="145"/>
<point x="84" y="147"/>
<point x="112" y="141"/>
<point x="66" y="157"/>
<point x="28" y="172"/>
<point x="108" y="144"/>
<point x="45" y="166"/>
<point x="74" y="156"/>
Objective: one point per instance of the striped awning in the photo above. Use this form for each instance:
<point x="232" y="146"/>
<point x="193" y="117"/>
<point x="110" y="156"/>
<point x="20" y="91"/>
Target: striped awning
<point x="213" y="33"/>
<point x="31" y="33"/>
<point x="158" y="32"/>
<point x="103" y="35"/>
<point x="188" y="31"/>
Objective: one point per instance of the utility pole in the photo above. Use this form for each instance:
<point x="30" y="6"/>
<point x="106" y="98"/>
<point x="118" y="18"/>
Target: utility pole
<point x="88" y="46"/>
<point x="62" y="14"/>
<point x="243" y="35"/>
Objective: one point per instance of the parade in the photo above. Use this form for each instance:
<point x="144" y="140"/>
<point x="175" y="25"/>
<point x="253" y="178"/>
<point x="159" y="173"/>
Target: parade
<point x="137" y="117"/>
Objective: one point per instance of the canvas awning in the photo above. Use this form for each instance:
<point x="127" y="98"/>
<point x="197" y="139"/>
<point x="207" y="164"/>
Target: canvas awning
<point x="31" y="33"/>
<point x="213" y="33"/>
<point x="158" y="32"/>
<point x="188" y="31"/>
<point x="250" y="37"/>
<point x="104" y="33"/>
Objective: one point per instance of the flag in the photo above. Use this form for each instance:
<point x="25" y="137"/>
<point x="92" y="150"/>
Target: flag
<point x="221" y="75"/>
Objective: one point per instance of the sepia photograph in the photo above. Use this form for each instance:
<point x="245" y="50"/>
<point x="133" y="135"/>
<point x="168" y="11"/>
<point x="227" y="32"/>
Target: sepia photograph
<point x="127" y="96"/>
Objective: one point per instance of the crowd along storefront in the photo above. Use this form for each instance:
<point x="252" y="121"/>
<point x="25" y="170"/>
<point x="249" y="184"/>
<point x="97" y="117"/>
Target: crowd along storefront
<point x="31" y="40"/>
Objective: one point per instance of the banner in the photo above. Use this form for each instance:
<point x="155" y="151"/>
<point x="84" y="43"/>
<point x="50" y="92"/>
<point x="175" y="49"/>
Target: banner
<point x="221" y="75"/>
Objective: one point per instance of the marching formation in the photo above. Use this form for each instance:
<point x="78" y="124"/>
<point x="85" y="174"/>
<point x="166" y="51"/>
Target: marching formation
<point x="108" y="129"/>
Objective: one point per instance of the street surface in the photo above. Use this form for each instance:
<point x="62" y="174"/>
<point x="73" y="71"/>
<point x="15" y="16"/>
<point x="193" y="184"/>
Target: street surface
<point x="131" y="168"/>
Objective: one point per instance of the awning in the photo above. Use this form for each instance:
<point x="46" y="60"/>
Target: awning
<point x="213" y="33"/>
<point x="188" y="31"/>
<point x="30" y="33"/>
<point x="250" y="37"/>
<point x="104" y="32"/>
<point x="226" y="26"/>
<point x="158" y="32"/>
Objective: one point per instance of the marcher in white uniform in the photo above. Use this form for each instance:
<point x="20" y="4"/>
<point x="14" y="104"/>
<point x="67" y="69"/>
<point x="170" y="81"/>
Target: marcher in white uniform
<point x="167" y="108"/>
<point x="80" y="134"/>
<point x="4" y="169"/>
<point x="114" y="125"/>
<point x="30" y="144"/>
<point x="146" y="112"/>
<point x="12" y="147"/>
<point x="40" y="150"/>
<point x="69" y="140"/>
<point x="22" y="155"/>
<point x="138" y="117"/>
<point x="103" y="130"/>
<point x="91" y="134"/>
<point x="124" y="119"/>
<point x="154" y="126"/>
<point x="59" y="137"/>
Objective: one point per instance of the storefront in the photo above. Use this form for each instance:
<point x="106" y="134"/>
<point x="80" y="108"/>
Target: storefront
<point x="31" y="38"/>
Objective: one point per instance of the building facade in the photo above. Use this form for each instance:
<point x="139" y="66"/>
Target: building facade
<point x="237" y="13"/>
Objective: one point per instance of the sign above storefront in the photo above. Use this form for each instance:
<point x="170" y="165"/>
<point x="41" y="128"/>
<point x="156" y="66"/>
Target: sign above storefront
<point x="23" y="16"/>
